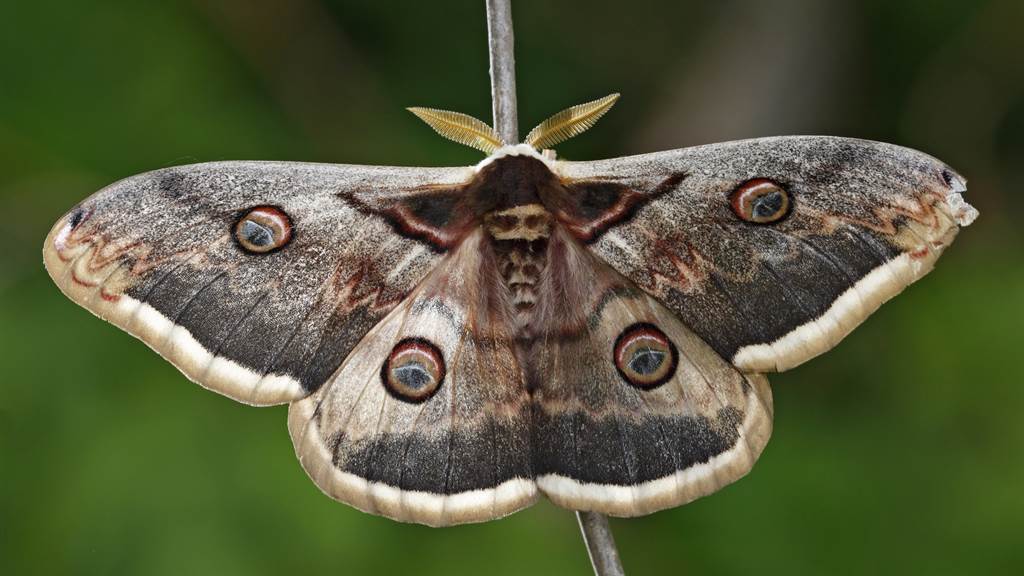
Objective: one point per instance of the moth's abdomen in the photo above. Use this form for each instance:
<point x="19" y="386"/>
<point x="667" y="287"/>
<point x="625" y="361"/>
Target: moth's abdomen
<point x="520" y="239"/>
<point x="521" y="264"/>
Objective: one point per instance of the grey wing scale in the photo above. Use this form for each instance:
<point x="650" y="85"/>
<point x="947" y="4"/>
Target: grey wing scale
<point x="156" y="255"/>
<point x="867" y="219"/>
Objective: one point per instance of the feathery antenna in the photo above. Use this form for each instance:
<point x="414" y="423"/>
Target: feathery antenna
<point x="461" y="128"/>
<point x="569" y="122"/>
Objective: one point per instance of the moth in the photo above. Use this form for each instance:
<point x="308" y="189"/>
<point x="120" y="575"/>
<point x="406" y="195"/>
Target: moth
<point x="456" y="342"/>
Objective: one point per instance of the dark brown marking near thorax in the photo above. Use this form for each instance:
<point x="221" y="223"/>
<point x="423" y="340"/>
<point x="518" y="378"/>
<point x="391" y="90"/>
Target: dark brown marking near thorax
<point x="519" y="236"/>
<point x="441" y="216"/>
<point x="592" y="207"/>
<point x="528" y="215"/>
<point x="517" y="200"/>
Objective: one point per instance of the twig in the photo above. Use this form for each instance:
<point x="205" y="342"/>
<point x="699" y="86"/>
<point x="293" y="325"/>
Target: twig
<point x="597" y="535"/>
<point x="604" y="555"/>
<point x="503" y="70"/>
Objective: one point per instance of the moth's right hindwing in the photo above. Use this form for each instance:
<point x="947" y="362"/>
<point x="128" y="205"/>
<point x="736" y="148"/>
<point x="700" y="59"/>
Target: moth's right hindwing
<point x="256" y="279"/>
<point x="634" y="413"/>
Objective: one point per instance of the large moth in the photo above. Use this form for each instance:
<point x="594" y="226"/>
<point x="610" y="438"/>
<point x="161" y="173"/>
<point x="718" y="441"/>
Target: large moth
<point x="455" y="342"/>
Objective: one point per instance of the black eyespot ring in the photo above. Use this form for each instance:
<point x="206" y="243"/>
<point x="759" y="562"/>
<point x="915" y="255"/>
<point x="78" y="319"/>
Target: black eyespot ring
<point x="644" y="356"/>
<point x="263" y="229"/>
<point x="760" y="201"/>
<point x="414" y="371"/>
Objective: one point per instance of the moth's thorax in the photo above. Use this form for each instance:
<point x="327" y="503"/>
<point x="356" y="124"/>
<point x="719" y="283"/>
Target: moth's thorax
<point x="510" y="181"/>
<point x="527" y="222"/>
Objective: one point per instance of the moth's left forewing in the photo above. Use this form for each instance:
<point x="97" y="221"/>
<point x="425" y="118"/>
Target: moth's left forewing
<point x="864" y="220"/>
<point x="159" y="255"/>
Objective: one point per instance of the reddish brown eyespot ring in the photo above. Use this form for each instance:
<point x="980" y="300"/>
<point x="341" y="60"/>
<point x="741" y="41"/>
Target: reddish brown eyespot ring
<point x="644" y="356"/>
<point x="760" y="201"/>
<point x="414" y="370"/>
<point x="263" y="229"/>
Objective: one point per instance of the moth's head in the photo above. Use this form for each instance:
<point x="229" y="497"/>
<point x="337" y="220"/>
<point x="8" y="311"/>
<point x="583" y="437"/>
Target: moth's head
<point x="524" y="150"/>
<point x="475" y="133"/>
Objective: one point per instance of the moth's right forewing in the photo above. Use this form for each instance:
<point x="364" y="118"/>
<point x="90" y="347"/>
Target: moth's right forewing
<point x="859" y="221"/>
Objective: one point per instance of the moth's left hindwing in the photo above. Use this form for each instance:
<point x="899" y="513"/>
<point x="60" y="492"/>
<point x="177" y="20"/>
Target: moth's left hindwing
<point x="256" y="279"/>
<point x="429" y="418"/>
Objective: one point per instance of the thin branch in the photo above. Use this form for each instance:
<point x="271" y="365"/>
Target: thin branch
<point x="604" y="555"/>
<point x="503" y="69"/>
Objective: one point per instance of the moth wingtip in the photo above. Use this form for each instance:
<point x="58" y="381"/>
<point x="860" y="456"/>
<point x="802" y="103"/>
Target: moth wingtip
<point x="963" y="213"/>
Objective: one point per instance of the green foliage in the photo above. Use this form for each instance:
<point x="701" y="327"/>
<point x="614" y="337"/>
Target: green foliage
<point x="898" y="453"/>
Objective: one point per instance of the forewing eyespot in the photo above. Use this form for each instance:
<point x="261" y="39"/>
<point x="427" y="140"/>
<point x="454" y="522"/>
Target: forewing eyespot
<point x="644" y="356"/>
<point x="263" y="229"/>
<point x="414" y="370"/>
<point x="760" y="201"/>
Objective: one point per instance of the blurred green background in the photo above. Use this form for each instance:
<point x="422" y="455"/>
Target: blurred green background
<point x="900" y="452"/>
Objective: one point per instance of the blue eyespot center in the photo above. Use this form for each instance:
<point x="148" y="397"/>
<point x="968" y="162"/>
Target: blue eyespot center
<point x="646" y="360"/>
<point x="768" y="205"/>
<point x="414" y="375"/>
<point x="256" y="234"/>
